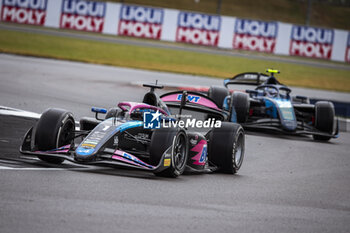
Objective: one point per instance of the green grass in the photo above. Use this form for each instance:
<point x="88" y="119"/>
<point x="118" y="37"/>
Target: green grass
<point x="290" y="11"/>
<point x="167" y="59"/>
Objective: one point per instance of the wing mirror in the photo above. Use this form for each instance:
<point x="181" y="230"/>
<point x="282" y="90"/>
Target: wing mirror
<point x="97" y="111"/>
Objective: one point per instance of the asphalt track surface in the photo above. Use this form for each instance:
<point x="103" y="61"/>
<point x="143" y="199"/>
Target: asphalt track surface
<point x="286" y="184"/>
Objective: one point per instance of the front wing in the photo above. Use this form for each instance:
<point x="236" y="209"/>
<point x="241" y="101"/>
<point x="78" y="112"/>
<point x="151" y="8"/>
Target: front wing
<point x="106" y="157"/>
<point x="302" y="128"/>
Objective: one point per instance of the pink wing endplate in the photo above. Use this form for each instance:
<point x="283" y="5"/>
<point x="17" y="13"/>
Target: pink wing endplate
<point x="129" y="158"/>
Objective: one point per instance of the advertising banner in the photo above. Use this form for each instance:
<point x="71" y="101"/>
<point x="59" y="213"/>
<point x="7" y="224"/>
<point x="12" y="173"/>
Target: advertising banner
<point x="311" y="42"/>
<point x="82" y="15"/>
<point x="180" y="26"/>
<point x="24" y="11"/>
<point x="139" y="21"/>
<point x="196" y="28"/>
<point x="255" y="35"/>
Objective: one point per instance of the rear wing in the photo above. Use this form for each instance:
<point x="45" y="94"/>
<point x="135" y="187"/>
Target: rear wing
<point x="248" y="78"/>
<point x="192" y="98"/>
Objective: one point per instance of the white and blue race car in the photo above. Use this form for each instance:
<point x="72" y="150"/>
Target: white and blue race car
<point x="271" y="107"/>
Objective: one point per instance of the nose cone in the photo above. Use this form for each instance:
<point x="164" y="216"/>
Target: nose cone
<point x="84" y="154"/>
<point x="289" y="125"/>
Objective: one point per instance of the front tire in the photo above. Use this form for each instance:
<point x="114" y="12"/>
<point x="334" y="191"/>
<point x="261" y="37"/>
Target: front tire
<point x="161" y="140"/>
<point x="226" y="147"/>
<point x="53" y="130"/>
<point x="324" y="119"/>
<point x="240" y="102"/>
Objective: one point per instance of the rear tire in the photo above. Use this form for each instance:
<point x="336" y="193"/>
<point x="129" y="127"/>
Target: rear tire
<point x="226" y="147"/>
<point x="324" y="119"/>
<point x="240" y="101"/>
<point x="53" y="130"/>
<point x="161" y="140"/>
<point x="218" y="94"/>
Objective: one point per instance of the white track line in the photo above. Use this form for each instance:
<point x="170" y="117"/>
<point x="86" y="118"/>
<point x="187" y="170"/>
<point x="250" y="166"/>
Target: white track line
<point x="52" y="168"/>
<point x="8" y="111"/>
<point x="18" y="112"/>
<point x="32" y="168"/>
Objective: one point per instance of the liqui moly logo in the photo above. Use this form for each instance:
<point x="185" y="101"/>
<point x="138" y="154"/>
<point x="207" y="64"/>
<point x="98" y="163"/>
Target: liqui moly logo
<point x="311" y="42"/>
<point x="255" y="35"/>
<point x="347" y="54"/>
<point x="83" y="15"/>
<point x="198" y="28"/>
<point x="24" y="11"/>
<point x="138" y="21"/>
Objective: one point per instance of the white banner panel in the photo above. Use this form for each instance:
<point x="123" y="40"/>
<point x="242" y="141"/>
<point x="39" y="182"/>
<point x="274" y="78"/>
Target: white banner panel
<point x="169" y="25"/>
<point x="283" y="38"/>
<point x="226" y="32"/>
<point x="347" y="54"/>
<point x="339" y="45"/>
<point x="112" y="18"/>
<point x="54" y="8"/>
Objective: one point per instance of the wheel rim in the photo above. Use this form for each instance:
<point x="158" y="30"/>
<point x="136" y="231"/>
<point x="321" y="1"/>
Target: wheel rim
<point x="65" y="134"/>
<point x="179" y="151"/>
<point x="237" y="151"/>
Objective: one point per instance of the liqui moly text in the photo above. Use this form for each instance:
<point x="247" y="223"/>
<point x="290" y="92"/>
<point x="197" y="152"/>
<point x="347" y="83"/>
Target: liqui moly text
<point x="24" y="11"/>
<point x="83" y="15"/>
<point x="138" y="21"/>
<point x="198" y="29"/>
<point x="255" y="35"/>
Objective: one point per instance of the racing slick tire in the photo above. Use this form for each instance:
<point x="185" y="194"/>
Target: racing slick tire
<point x="113" y="112"/>
<point x="226" y="147"/>
<point x="240" y="102"/>
<point x="218" y="94"/>
<point x="53" y="130"/>
<point x="324" y="119"/>
<point x="161" y="140"/>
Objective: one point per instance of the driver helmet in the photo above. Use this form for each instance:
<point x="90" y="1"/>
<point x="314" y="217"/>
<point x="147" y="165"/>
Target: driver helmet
<point x="271" y="91"/>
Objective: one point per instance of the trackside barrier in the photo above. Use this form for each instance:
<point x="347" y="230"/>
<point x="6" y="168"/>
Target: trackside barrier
<point x="181" y="26"/>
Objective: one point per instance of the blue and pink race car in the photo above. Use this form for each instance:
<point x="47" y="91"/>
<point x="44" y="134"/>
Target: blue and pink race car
<point x="165" y="135"/>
